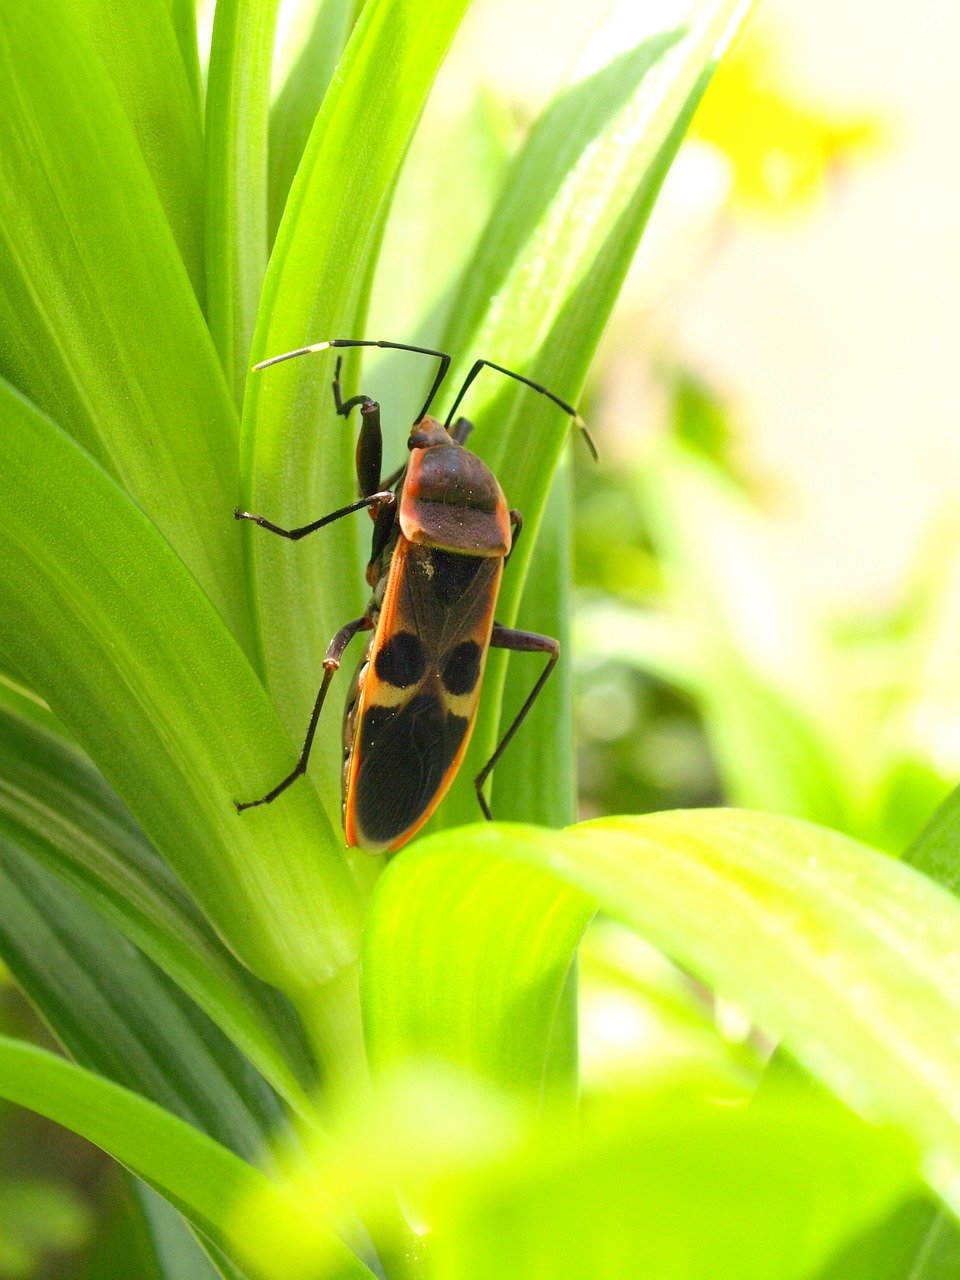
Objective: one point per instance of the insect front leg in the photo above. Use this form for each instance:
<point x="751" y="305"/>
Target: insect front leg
<point x="331" y="662"/>
<point x="517" y="642"/>
<point x="370" y="440"/>
<point x="384" y="498"/>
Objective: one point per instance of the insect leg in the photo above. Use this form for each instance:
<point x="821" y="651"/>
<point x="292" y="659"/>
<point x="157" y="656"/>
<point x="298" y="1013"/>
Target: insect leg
<point x="385" y="499"/>
<point x="370" y="440"/>
<point x="516" y="526"/>
<point x="331" y="662"/>
<point x="365" y="342"/>
<point x="518" y="642"/>
<point x="535" y="386"/>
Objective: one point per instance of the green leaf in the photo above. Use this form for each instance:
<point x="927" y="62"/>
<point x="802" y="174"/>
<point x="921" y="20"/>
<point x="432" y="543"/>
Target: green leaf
<point x="143" y="1236"/>
<point x="54" y="805"/>
<point x="100" y="326"/>
<point x="459" y="155"/>
<point x="320" y="30"/>
<point x="917" y="1241"/>
<point x="109" y="627"/>
<point x="553" y="257"/>
<point x="205" y="1180"/>
<point x="441" y="980"/>
<point x="115" y="1013"/>
<point x="237" y="121"/>
<point x="936" y="850"/>
<point x="537" y="782"/>
<point x="139" y="47"/>
<point x="17" y="702"/>
<point x="297" y="455"/>
<point x="844" y="955"/>
<point x="183" y="16"/>
<point x="760" y="679"/>
<point x="690" y="1191"/>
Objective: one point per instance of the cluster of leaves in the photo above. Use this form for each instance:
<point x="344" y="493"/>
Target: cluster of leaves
<point x="245" y="1008"/>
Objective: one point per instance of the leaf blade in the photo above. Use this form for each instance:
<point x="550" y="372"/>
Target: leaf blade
<point x="553" y="255"/>
<point x="114" y="1014"/>
<point x="197" y="1174"/>
<point x="106" y="623"/>
<point x="99" y="324"/>
<point x="56" y="807"/>
<point x="316" y="287"/>
<point x="140" y="49"/>
<point x="237" y="121"/>
<point x="439" y="982"/>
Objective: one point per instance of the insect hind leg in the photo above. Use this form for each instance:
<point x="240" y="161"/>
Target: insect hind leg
<point x="517" y="642"/>
<point x="331" y="663"/>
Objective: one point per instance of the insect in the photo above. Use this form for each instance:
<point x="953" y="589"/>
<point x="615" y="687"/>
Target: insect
<point x="442" y="535"/>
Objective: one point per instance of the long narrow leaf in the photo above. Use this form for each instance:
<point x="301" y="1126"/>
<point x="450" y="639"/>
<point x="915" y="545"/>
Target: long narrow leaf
<point x="54" y="805"/>
<point x="297" y="455"/>
<point x="553" y="256"/>
<point x="845" y="955"/>
<point x="139" y="46"/>
<point x="305" y="81"/>
<point x="204" y="1179"/>
<point x="107" y="624"/>
<point x="237" y="120"/>
<point x="183" y="16"/>
<point x="99" y="324"/>
<point x="115" y="1013"/>
<point x="536" y="780"/>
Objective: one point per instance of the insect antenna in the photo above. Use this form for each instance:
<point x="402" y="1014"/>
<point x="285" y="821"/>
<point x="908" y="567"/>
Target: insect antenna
<point x="367" y="342"/>
<point x="535" y="386"/>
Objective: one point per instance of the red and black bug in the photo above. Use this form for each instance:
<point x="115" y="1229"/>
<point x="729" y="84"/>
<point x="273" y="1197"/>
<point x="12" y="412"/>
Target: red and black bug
<point x="442" y="535"/>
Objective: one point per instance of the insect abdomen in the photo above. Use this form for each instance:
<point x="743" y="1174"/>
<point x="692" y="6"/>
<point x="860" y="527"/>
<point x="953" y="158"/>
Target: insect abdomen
<point x="411" y="709"/>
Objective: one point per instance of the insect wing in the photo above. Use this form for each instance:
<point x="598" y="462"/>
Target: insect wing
<point x="417" y="701"/>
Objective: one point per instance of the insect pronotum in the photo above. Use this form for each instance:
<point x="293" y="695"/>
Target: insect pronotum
<point x="442" y="535"/>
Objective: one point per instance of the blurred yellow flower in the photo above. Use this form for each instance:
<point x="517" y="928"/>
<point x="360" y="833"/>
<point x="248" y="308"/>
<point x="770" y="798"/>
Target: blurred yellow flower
<point x="783" y="148"/>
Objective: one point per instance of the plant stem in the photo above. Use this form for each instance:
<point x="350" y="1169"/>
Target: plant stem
<point x="332" y="1017"/>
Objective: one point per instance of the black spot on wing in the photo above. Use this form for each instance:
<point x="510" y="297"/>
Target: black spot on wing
<point x="400" y="661"/>
<point x="453" y="574"/>
<point x="404" y="754"/>
<point x="460" y="669"/>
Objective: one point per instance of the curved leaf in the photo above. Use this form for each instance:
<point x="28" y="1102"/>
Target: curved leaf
<point x="690" y="1191"/>
<point x="306" y="79"/>
<point x="55" y="806"/>
<point x="99" y="325"/>
<point x="140" y="49"/>
<point x="106" y="624"/>
<point x="115" y="1013"/>
<point x="205" y="1180"/>
<point x="848" y="957"/>
<point x="297" y="455"/>
<point x="466" y="959"/>
<point x="237" y="120"/>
